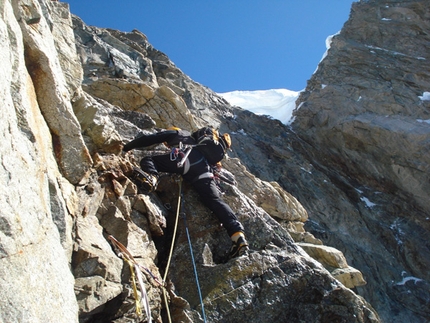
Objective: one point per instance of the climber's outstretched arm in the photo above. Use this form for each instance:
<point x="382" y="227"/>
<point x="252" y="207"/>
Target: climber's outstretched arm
<point x="152" y="139"/>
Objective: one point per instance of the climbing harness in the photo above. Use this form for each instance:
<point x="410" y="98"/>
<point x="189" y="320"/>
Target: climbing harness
<point x="175" y="153"/>
<point x="181" y="154"/>
<point x="202" y="176"/>
<point x="186" y="152"/>
<point x="136" y="272"/>
<point x="182" y="151"/>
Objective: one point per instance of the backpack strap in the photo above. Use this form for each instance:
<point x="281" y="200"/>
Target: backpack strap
<point x="197" y="162"/>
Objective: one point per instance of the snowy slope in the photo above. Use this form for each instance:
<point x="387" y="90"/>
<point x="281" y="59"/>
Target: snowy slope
<point x="277" y="103"/>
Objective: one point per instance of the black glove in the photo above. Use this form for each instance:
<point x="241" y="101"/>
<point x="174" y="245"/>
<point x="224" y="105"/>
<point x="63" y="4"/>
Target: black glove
<point x="126" y="148"/>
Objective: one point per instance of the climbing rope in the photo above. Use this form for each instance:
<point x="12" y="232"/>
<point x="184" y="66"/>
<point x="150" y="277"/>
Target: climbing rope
<point x="136" y="295"/>
<point x="143" y="292"/>
<point x="135" y="270"/>
<point x="194" y="266"/>
<point x="180" y="209"/>
<point x="169" y="258"/>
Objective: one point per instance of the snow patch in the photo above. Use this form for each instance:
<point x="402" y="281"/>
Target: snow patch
<point x="242" y="132"/>
<point x="425" y="121"/>
<point x="305" y="170"/>
<point x="328" y="42"/>
<point x="397" y="230"/>
<point x="367" y="201"/>
<point x="425" y="96"/>
<point x="392" y="52"/>
<point x="277" y="103"/>
<point x="408" y="278"/>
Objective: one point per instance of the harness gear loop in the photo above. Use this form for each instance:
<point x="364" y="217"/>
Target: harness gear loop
<point x="175" y="153"/>
<point x="181" y="153"/>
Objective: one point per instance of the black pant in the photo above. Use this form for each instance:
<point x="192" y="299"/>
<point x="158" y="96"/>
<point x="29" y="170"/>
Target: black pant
<point x="205" y="187"/>
<point x="210" y="196"/>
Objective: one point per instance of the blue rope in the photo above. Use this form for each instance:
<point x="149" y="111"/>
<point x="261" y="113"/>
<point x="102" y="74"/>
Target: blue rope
<point x="194" y="266"/>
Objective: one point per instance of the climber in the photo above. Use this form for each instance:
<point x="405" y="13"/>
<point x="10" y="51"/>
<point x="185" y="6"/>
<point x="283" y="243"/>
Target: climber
<point x="195" y="170"/>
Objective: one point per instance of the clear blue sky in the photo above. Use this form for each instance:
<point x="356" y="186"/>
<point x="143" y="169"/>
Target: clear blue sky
<point x="229" y="45"/>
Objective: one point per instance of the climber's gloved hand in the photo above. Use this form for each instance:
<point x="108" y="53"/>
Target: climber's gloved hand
<point x="126" y="148"/>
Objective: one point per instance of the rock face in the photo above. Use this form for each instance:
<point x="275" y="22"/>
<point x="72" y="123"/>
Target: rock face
<point x="364" y="118"/>
<point x="372" y="115"/>
<point x="35" y="223"/>
<point x="73" y="94"/>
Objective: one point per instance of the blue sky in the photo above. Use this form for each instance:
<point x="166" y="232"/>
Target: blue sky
<point x="229" y="45"/>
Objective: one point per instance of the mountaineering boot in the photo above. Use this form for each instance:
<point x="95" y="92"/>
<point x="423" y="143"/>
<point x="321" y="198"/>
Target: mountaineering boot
<point x="239" y="245"/>
<point x="145" y="182"/>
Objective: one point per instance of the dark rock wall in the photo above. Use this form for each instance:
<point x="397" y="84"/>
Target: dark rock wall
<point x="364" y="121"/>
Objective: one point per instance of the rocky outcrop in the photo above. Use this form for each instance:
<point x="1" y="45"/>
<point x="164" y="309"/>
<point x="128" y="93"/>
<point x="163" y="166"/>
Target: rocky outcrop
<point x="73" y="94"/>
<point x="36" y="199"/>
<point x="51" y="89"/>
<point x="367" y="102"/>
<point x="373" y="114"/>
